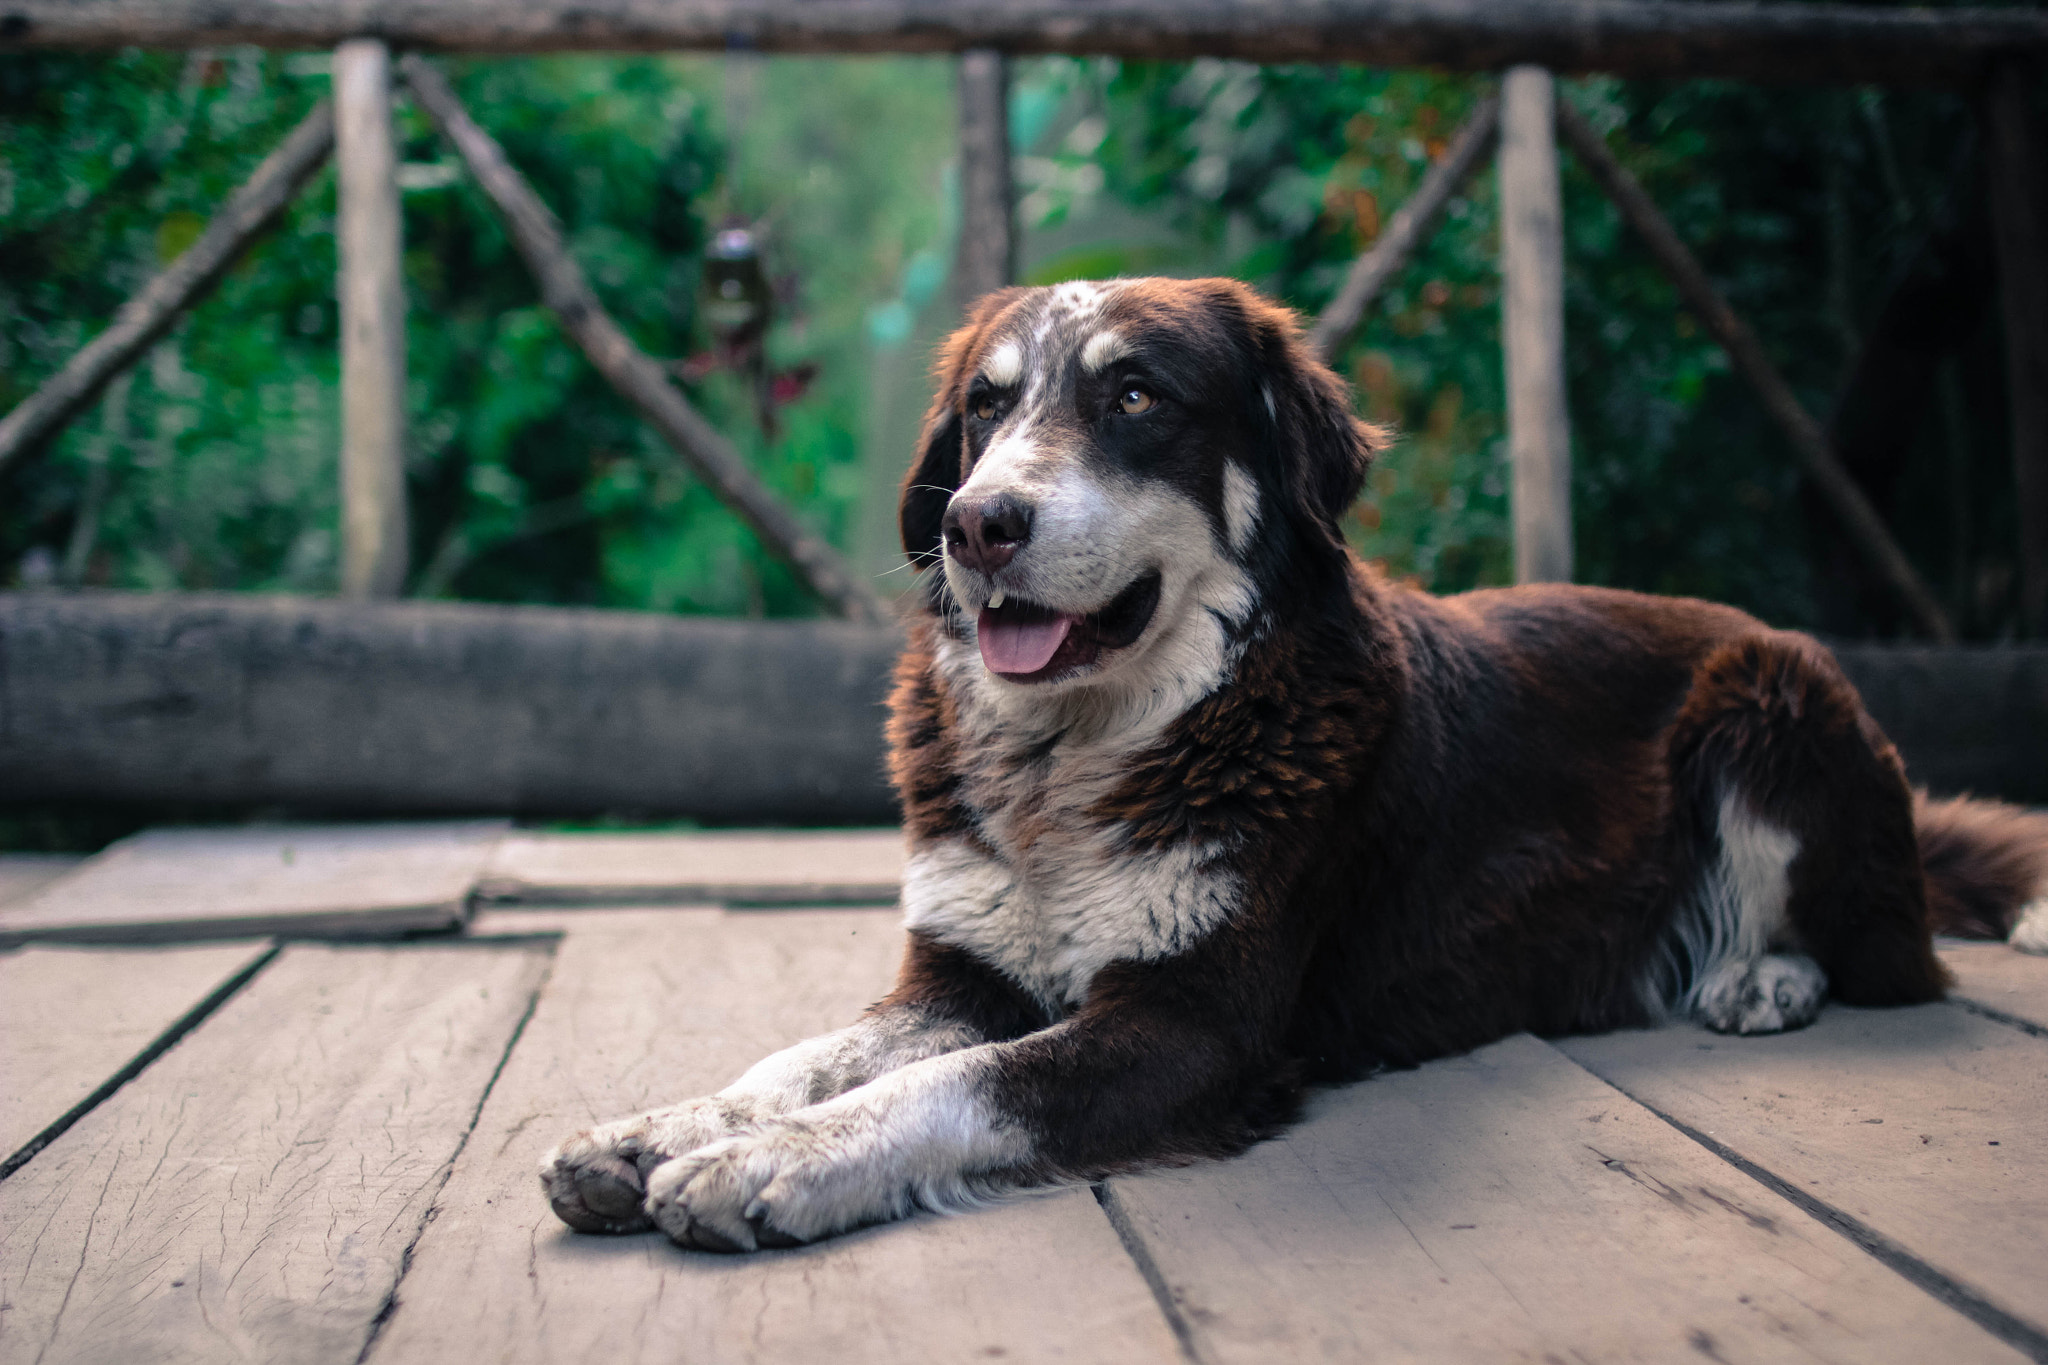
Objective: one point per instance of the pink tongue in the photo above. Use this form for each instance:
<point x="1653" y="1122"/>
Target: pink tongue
<point x="1010" y="646"/>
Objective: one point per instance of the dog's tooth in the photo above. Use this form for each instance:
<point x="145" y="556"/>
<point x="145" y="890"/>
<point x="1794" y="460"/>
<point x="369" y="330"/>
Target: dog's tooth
<point x="995" y="599"/>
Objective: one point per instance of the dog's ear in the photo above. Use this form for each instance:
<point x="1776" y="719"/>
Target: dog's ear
<point x="940" y="463"/>
<point x="1323" y="450"/>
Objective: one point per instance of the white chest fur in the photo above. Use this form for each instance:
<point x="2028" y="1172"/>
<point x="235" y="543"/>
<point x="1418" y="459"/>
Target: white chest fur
<point x="1053" y="917"/>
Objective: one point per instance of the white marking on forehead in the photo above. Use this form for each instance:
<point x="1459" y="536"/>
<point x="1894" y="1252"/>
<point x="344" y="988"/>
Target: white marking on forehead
<point x="1005" y="364"/>
<point x="1271" y="411"/>
<point x="1104" y="349"/>
<point x="1240" y="506"/>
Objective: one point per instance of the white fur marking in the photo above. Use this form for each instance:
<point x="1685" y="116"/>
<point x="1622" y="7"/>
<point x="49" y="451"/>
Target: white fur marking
<point x="1103" y="350"/>
<point x="1005" y="364"/>
<point x="1737" y="916"/>
<point x="1272" y="410"/>
<point x="1054" y="915"/>
<point x="1240" y="506"/>
<point x="923" y="1136"/>
<point x="2030" y="930"/>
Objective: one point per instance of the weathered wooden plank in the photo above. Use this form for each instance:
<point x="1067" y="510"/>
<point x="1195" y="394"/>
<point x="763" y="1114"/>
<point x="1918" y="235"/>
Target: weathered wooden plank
<point x="308" y="881"/>
<point x="24" y="874"/>
<point x="1995" y="977"/>
<point x="252" y="1194"/>
<point x="370" y="286"/>
<point x="1927" y="1127"/>
<point x="1509" y="1206"/>
<point x="1808" y="42"/>
<point x="74" y="1019"/>
<point x="648" y="1007"/>
<point x="1532" y="328"/>
<point x="756" y="867"/>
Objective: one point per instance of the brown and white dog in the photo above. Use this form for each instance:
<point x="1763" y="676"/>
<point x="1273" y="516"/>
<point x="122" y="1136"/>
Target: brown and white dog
<point x="1201" y="810"/>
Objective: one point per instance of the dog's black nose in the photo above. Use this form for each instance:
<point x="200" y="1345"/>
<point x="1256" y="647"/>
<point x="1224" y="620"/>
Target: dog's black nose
<point x="986" y="535"/>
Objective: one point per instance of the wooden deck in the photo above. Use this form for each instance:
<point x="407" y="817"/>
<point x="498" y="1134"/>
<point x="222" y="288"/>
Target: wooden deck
<point x="287" y="1150"/>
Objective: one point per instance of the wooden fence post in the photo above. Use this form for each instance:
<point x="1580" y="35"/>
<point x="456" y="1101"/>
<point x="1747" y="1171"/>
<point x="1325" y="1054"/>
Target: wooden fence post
<point x="1532" y="328"/>
<point x="987" y="258"/>
<point x="371" y="290"/>
<point x="2014" y="152"/>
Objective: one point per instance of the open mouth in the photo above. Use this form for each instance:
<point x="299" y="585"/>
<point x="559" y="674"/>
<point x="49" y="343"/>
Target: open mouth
<point x="1027" y="643"/>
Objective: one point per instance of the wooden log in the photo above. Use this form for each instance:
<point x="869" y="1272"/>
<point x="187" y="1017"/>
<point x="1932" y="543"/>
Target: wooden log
<point x="371" y="289"/>
<point x="1808" y="439"/>
<point x="987" y="258"/>
<point x="2016" y="169"/>
<point x="1920" y="1133"/>
<point x="253" y="1194"/>
<point x="439" y="707"/>
<point x="248" y="212"/>
<point x="76" y="1023"/>
<point x="306" y="881"/>
<point x="1532" y="328"/>
<point x="639" y="379"/>
<point x="1965" y="720"/>
<point x="1507" y="1206"/>
<point x="1674" y="38"/>
<point x="753" y="867"/>
<point x="1408" y="228"/>
<point x="648" y="1008"/>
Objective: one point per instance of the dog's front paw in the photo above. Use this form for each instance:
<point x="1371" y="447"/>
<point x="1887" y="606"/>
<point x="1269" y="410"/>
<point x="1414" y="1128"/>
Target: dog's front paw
<point x="597" y="1180"/>
<point x="794" y="1181"/>
<point x="1771" y="994"/>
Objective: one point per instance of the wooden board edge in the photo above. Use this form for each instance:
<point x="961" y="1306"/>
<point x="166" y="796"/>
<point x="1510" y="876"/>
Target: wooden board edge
<point x="260" y="957"/>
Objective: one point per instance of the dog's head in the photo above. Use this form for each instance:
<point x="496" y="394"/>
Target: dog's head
<point x="1108" y="469"/>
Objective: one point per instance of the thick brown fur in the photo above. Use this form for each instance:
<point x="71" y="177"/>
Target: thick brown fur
<point x="1983" y="860"/>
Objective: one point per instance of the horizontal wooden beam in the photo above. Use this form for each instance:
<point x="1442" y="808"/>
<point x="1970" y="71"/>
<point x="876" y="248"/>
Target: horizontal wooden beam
<point x="416" y="708"/>
<point x="320" y="705"/>
<point x="1749" y="41"/>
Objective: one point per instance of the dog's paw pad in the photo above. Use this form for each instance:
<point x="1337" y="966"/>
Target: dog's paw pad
<point x="593" y="1185"/>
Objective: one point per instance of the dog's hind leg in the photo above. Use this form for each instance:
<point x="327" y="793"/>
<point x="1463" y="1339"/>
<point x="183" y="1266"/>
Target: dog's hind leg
<point x="1810" y="879"/>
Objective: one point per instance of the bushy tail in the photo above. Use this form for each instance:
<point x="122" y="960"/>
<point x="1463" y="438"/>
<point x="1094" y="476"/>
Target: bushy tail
<point x="1984" y="860"/>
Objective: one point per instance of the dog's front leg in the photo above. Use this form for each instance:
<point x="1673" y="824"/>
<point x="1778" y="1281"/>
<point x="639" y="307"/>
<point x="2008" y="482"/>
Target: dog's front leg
<point x="1150" y="1070"/>
<point x="596" y="1181"/>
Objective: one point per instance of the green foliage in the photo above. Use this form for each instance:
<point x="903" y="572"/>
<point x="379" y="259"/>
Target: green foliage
<point x="532" y="482"/>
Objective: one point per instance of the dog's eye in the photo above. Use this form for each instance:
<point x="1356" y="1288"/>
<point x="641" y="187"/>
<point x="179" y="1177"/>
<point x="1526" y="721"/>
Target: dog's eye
<point x="1134" y="401"/>
<point x="985" y="408"/>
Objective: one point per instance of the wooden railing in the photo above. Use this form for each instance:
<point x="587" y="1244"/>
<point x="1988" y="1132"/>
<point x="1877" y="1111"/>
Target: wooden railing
<point x="1988" y="51"/>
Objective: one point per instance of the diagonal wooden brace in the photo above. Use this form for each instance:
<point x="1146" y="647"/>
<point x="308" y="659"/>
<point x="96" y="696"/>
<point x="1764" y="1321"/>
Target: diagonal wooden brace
<point x="636" y="376"/>
<point x="248" y="212"/>
<point x="1865" y="527"/>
